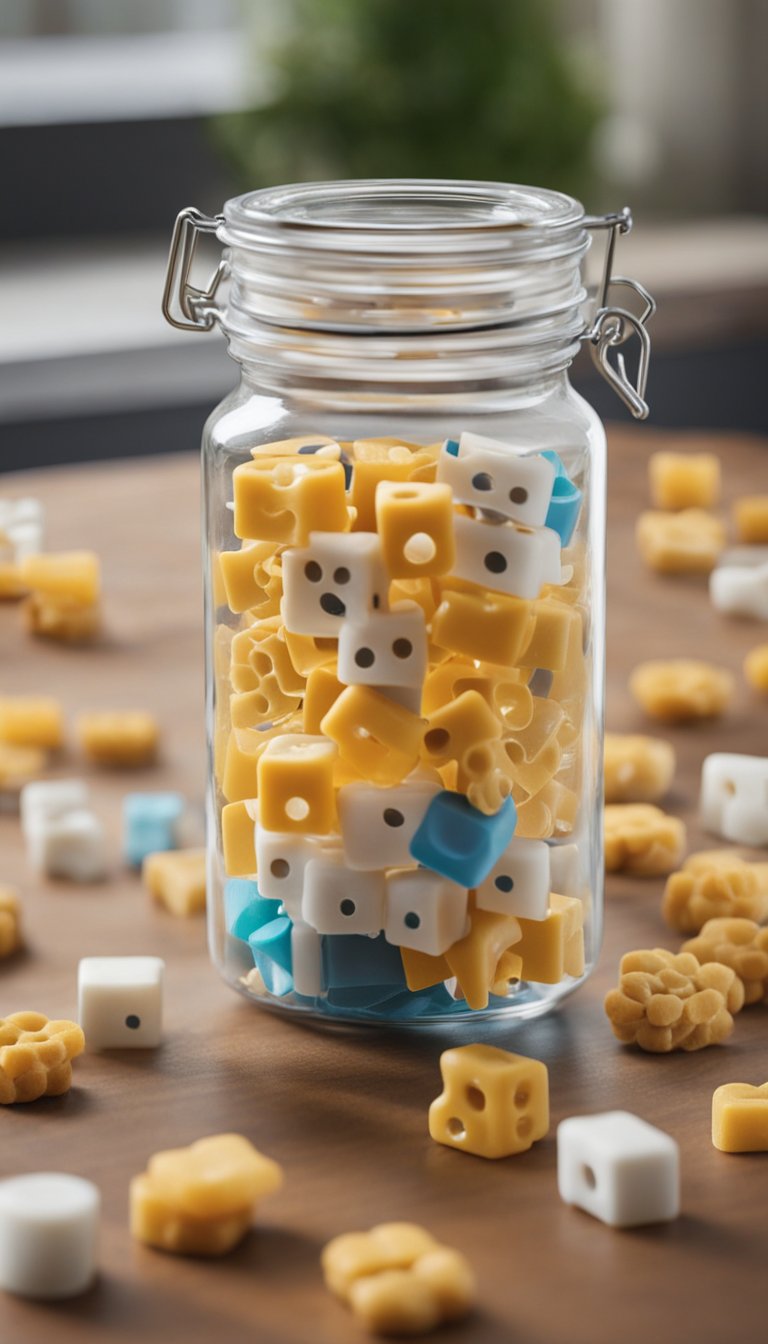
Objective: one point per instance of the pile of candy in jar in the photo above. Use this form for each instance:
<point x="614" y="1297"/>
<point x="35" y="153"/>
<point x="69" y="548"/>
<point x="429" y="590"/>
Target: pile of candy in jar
<point x="399" y="722"/>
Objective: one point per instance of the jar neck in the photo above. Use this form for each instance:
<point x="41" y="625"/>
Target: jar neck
<point x="404" y="289"/>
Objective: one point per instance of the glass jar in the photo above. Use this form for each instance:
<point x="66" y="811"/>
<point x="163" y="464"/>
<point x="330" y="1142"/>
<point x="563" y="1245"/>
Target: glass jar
<point x="404" y="522"/>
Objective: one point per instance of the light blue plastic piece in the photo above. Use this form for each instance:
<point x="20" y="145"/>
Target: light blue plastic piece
<point x="460" y="842"/>
<point x="245" y="909"/>
<point x="273" y="940"/>
<point x="149" y="824"/>
<point x="355" y="961"/>
<point x="565" y="504"/>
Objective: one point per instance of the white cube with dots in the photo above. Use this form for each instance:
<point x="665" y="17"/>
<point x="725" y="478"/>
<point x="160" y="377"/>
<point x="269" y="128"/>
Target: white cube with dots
<point x="618" y="1168"/>
<point x="48" y="1235"/>
<point x="120" y="1002"/>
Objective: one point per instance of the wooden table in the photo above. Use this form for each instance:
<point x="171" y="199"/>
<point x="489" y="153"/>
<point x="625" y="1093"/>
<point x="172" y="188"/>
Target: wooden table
<point x="345" y="1111"/>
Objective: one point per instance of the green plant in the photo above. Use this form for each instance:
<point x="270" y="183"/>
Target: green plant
<point x="418" y="88"/>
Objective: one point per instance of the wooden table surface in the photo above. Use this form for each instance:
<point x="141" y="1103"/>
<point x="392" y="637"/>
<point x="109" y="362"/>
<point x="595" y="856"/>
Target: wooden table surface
<point x="345" y="1110"/>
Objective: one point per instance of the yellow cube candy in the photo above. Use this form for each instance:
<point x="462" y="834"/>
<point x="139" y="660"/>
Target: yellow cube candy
<point x="119" y="738"/>
<point x="310" y="651"/>
<point x="323" y="690"/>
<point x="176" y="879"/>
<point x="72" y="575"/>
<point x="552" y="948"/>
<point x="61" y="618"/>
<point x="556" y="627"/>
<point x="751" y="517"/>
<point x="740" y="1118"/>
<point x="688" y="542"/>
<point x="415" y="525"/>
<point x="493" y="1104"/>
<point x="200" y="1200"/>
<point x="684" y="480"/>
<point x="296" y="784"/>
<point x="251" y="578"/>
<point x="377" y="737"/>
<point x="756" y="668"/>
<point x="238" y="834"/>
<point x="458" y="728"/>
<point x="10" y="921"/>
<point x="281" y="499"/>
<point x="31" y="721"/>
<point x="377" y="460"/>
<point x="484" y="626"/>
<point x="19" y="765"/>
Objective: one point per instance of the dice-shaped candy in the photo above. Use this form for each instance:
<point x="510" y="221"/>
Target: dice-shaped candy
<point x="493" y="1103"/>
<point x="425" y="912"/>
<point x="334" y="578"/>
<point x="415" y="522"/>
<point x="281" y="862"/>
<point x="509" y="558"/>
<point x="460" y="842"/>
<point x="378" y="824"/>
<point x="618" y="1168"/>
<point x="519" y="883"/>
<point x="296" y="784"/>
<point x="121" y="1001"/>
<point x="387" y="648"/>
<point x="338" y="900"/>
<point x="734" y="797"/>
<point x="492" y="475"/>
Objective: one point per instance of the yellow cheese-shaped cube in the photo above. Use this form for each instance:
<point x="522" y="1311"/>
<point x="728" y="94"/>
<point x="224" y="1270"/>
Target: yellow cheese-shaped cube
<point x="177" y="879"/>
<point x="376" y="737"/>
<point x="483" y="626"/>
<point x="493" y="1104"/>
<point x="415" y="525"/>
<point x="31" y="721"/>
<point x="19" y="765"/>
<point x="296" y="784"/>
<point x="751" y="518"/>
<point x="688" y="542"/>
<point x="684" y="480"/>
<point x="282" y="499"/>
<point x="61" y="618"/>
<point x="552" y="948"/>
<point x="75" y="575"/>
<point x="238" y="832"/>
<point x="250" y="580"/>
<point x="740" y="1118"/>
<point x="119" y="737"/>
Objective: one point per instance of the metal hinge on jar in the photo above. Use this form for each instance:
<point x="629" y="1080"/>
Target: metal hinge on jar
<point x="613" y="325"/>
<point x="184" y="306"/>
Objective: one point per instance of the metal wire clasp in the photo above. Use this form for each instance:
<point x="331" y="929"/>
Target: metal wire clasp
<point x="184" y="306"/>
<point x="613" y="325"/>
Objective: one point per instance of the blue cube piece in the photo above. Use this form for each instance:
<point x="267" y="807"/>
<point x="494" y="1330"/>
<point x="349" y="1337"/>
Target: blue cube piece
<point x="352" y="960"/>
<point x="149" y="824"/>
<point x="459" y="842"/>
<point x="245" y="909"/>
<point x="273" y="940"/>
<point x="565" y="504"/>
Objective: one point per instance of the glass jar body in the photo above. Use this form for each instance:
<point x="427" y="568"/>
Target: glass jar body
<point x="538" y="725"/>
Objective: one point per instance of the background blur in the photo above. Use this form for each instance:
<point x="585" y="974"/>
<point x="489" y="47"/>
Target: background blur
<point x="115" y="114"/>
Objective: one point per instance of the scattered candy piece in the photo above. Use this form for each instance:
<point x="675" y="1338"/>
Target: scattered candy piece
<point x="49" y="1226"/>
<point x="398" y="1280"/>
<point x="151" y="823"/>
<point x="19" y="766"/>
<point x="641" y="839"/>
<point x="734" y="790"/>
<point x="200" y="1200"/>
<point x="120" y="1002"/>
<point x="680" y="543"/>
<point x="756" y="668"/>
<point x="10" y="922"/>
<point x="740" y="1118"/>
<point x="740" y="944"/>
<point x="35" y="1056"/>
<point x="64" y="597"/>
<point x="637" y="769"/>
<point x="666" y="1002"/>
<point x="31" y="721"/>
<point x="684" y="480"/>
<point x="64" y="837"/>
<point x="176" y="879"/>
<point x="493" y="1103"/>
<point x="119" y="738"/>
<point x="21" y="534"/>
<point x="714" y="884"/>
<point x="681" y="690"/>
<point x="740" y="590"/>
<point x="618" y="1168"/>
<point x="751" y="518"/>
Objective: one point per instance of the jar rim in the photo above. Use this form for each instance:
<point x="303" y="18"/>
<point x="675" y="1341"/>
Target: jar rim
<point x="396" y="213"/>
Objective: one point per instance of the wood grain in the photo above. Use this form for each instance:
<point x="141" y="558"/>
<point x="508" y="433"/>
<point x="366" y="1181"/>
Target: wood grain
<point x="345" y="1110"/>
